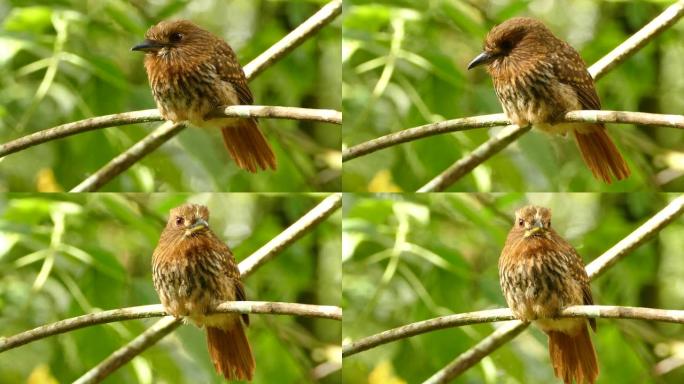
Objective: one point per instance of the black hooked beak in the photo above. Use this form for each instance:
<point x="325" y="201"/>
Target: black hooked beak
<point x="148" y="46"/>
<point x="197" y="225"/>
<point x="537" y="226"/>
<point x="483" y="58"/>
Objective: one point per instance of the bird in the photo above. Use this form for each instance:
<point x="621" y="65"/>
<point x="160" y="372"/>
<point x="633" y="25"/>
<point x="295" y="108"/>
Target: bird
<point x="193" y="271"/>
<point x="538" y="78"/>
<point x="540" y="273"/>
<point x="192" y="73"/>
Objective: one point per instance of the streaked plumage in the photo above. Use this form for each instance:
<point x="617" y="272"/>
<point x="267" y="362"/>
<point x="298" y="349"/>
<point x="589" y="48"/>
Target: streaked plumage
<point x="192" y="73"/>
<point x="540" y="274"/>
<point x="538" y="78"/>
<point x="193" y="271"/>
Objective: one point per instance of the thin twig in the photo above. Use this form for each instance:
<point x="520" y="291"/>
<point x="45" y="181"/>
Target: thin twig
<point x="293" y="39"/>
<point x="306" y="223"/>
<point x="148" y="115"/>
<point x="488" y="121"/>
<point x="635" y="239"/>
<point x="423" y="131"/>
<point x="126" y="159"/>
<point x="156" y="310"/>
<point x="637" y="41"/>
<point x="466" y="164"/>
<point x="505" y="314"/>
<point x="158" y="137"/>
<point x="647" y="230"/>
<point x="317" y="214"/>
<point x="124" y="354"/>
<point x="650" y="31"/>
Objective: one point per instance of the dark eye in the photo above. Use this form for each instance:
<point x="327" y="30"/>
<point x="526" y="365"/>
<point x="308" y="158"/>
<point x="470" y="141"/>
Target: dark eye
<point x="176" y="37"/>
<point x="179" y="220"/>
<point x="506" y="45"/>
<point x="521" y="222"/>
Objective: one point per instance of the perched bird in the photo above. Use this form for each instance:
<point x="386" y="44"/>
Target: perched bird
<point x="194" y="271"/>
<point x="538" y="78"/>
<point x="192" y="73"/>
<point x="540" y="274"/>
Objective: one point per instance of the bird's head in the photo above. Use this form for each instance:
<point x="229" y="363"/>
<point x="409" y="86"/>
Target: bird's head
<point x="519" y="36"/>
<point x="533" y="220"/>
<point x="169" y="37"/>
<point x="190" y="220"/>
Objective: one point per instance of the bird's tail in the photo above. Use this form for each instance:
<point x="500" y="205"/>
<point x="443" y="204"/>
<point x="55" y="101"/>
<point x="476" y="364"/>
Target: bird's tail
<point x="573" y="357"/>
<point x="600" y="154"/>
<point x="230" y="352"/>
<point x="248" y="146"/>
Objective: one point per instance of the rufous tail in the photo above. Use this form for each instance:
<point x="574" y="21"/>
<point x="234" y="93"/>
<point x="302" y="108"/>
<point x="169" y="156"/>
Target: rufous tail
<point x="600" y="154"/>
<point x="573" y="357"/>
<point x="230" y="352"/>
<point x="248" y="146"/>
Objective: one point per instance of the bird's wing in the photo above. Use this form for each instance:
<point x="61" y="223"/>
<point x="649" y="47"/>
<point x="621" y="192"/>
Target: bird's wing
<point x="233" y="273"/>
<point x="571" y="70"/>
<point x="229" y="69"/>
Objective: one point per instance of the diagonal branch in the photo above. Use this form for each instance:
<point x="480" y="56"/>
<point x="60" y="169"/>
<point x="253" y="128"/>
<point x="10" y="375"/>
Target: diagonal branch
<point x="156" y="310"/>
<point x="637" y="41"/>
<point x="291" y="234"/>
<point x="126" y="159"/>
<point x="148" y="115"/>
<point x="488" y="121"/>
<point x="124" y="354"/>
<point x="474" y="158"/>
<point x="320" y="19"/>
<point x="162" y="133"/>
<point x="635" y="239"/>
<point x="266" y="253"/>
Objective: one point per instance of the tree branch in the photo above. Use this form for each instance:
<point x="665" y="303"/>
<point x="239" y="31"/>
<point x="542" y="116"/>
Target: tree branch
<point x="156" y="310"/>
<point x="300" y="227"/>
<point x="488" y="121"/>
<point x="466" y="164"/>
<point x="637" y="41"/>
<point x="247" y="267"/>
<point x="162" y="133"/>
<point x="148" y="115"/>
<point x="505" y="314"/>
<point x="124" y="354"/>
<point x="124" y="161"/>
<point x="489" y="344"/>
<point x="293" y="39"/>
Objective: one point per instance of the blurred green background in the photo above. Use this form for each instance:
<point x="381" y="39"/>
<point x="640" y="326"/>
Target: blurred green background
<point x="65" y="255"/>
<point x="67" y="60"/>
<point x="408" y="258"/>
<point x="404" y="65"/>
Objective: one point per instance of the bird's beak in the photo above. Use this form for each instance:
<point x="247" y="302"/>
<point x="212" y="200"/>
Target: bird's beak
<point x="483" y="58"/>
<point x="198" y="225"/>
<point x="148" y="46"/>
<point x="536" y="227"/>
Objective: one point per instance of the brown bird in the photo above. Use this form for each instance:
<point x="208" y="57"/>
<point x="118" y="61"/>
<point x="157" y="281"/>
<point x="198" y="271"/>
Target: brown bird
<point x="538" y="78"/>
<point x="192" y="73"/>
<point x="193" y="271"/>
<point x="540" y="274"/>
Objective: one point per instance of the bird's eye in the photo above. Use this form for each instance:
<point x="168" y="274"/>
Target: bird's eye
<point x="521" y="222"/>
<point x="179" y="220"/>
<point x="506" y="45"/>
<point x="176" y="37"/>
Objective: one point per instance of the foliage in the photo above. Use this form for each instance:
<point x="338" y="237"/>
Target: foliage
<point x="69" y="60"/>
<point x="408" y="258"/>
<point x="65" y="255"/>
<point x="404" y="65"/>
